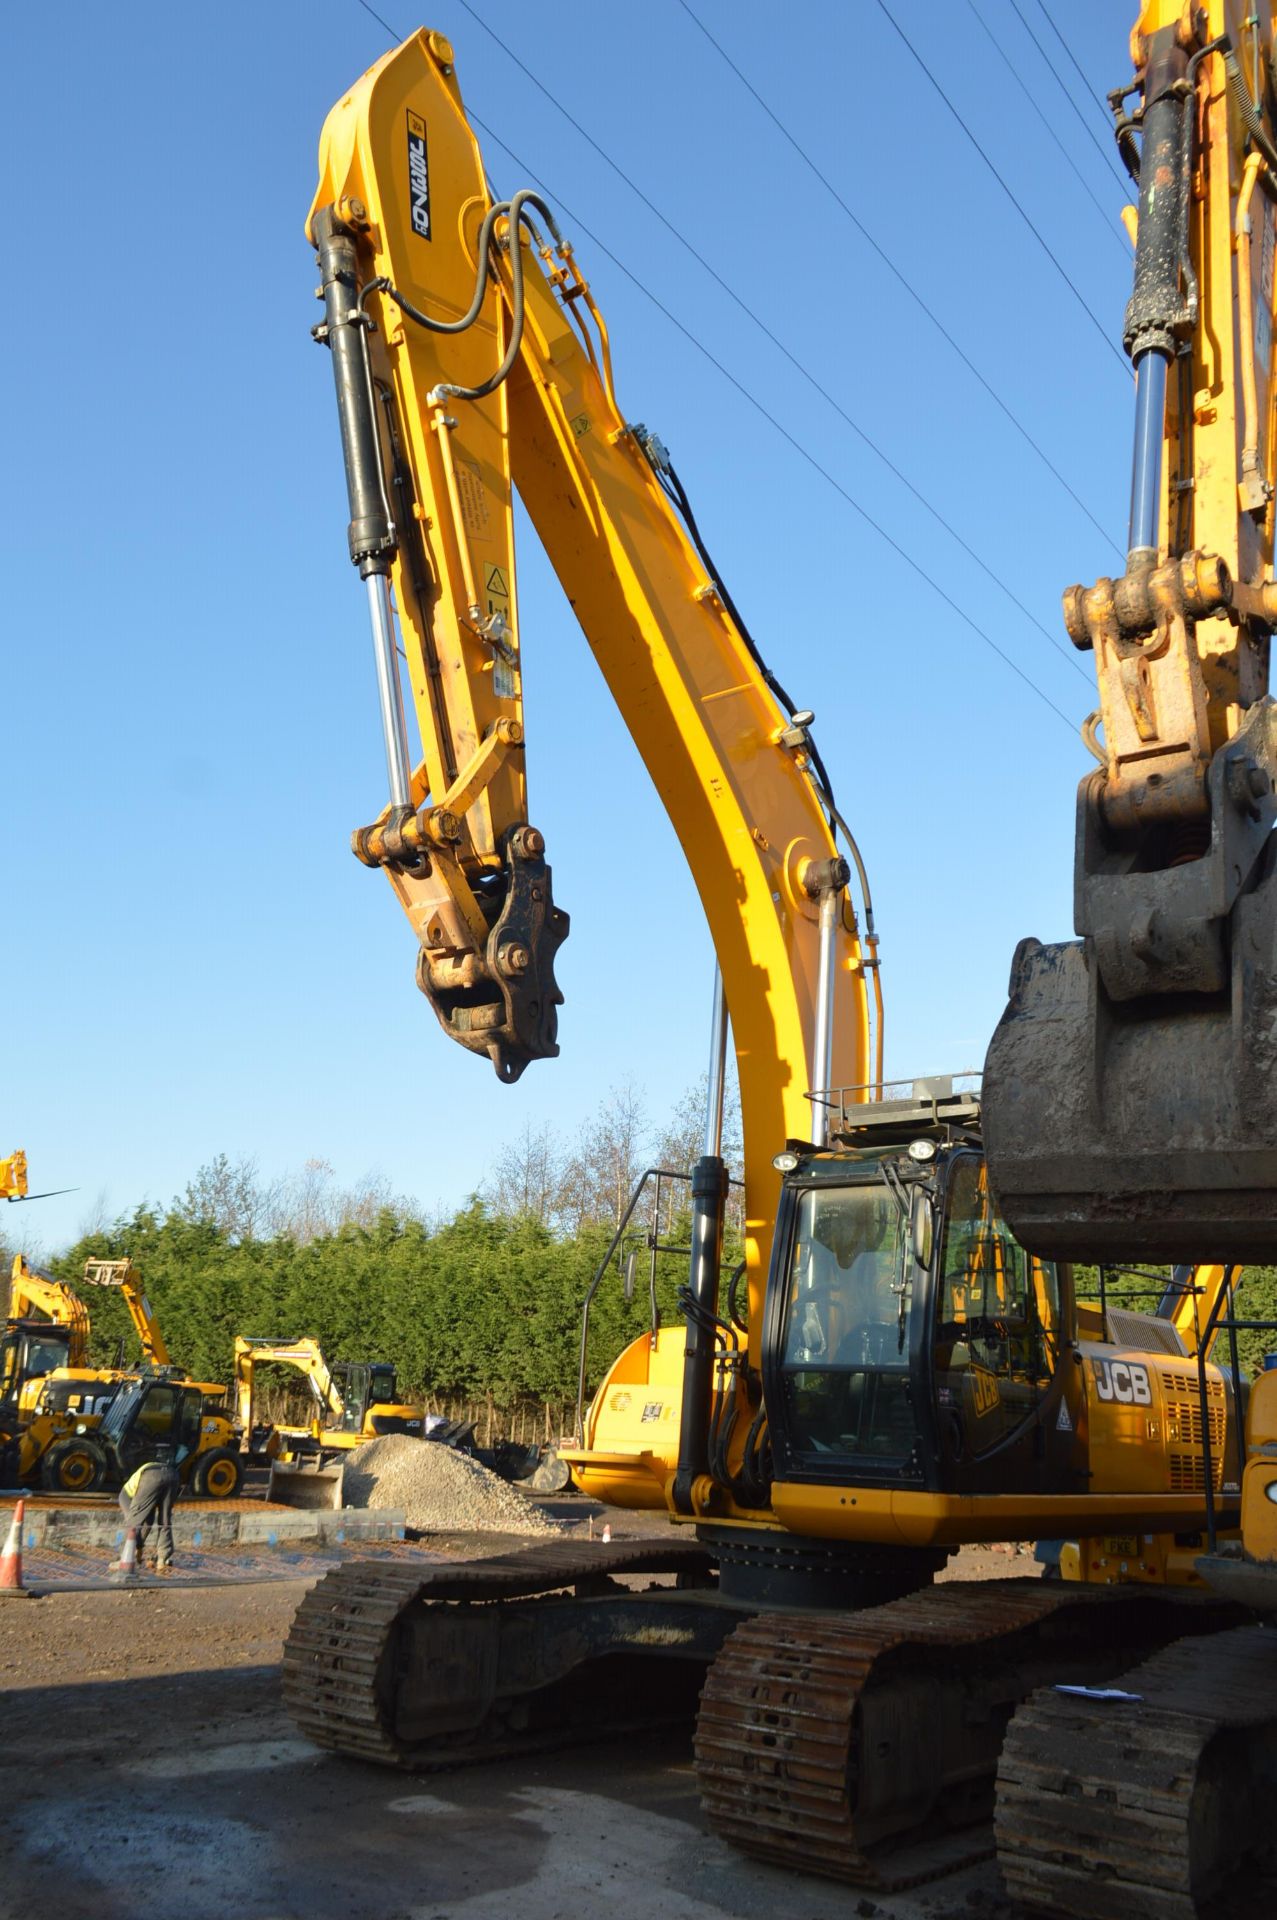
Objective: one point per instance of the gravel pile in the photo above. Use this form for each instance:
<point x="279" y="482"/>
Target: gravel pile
<point x="437" y="1489"/>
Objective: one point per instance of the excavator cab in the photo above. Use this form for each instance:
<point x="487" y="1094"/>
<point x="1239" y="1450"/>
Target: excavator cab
<point x="29" y="1350"/>
<point x="369" y="1392"/>
<point x="911" y="1341"/>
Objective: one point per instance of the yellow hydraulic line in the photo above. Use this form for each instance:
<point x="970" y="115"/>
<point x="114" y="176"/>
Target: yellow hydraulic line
<point x="1251" y="488"/>
<point x="443" y="423"/>
<point x="875" y="976"/>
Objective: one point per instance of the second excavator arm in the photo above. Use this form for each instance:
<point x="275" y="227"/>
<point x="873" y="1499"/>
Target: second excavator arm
<point x="305" y="1354"/>
<point x="469" y="358"/>
<point x="32" y="1290"/>
<point x="1131" y="1087"/>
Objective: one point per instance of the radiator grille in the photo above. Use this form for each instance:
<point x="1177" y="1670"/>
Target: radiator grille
<point x="1184" y="1433"/>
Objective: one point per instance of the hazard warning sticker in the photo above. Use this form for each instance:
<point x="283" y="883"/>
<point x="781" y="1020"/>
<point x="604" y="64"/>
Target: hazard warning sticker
<point x="1064" y="1424"/>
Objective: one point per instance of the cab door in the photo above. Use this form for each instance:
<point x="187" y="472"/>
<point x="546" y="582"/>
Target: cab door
<point x="154" y="1425"/>
<point x="996" y="1352"/>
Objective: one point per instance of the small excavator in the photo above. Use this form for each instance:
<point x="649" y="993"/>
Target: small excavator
<point x="895" y="1372"/>
<point x="354" y="1401"/>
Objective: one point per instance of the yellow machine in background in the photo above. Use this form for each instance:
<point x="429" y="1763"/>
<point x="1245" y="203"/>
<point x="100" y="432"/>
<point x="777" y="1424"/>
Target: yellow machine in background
<point x="52" y="1402"/>
<point x="14" y="1185"/>
<point x="13" y="1177"/>
<point x="46" y="1328"/>
<point x="353" y="1402"/>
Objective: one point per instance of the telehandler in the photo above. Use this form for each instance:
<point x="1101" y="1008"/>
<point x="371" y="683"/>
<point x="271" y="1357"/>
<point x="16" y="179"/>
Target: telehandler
<point x="52" y="1401"/>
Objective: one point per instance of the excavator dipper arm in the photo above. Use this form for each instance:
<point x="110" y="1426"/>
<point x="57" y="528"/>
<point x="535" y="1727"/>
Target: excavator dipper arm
<point x="1130" y="1092"/>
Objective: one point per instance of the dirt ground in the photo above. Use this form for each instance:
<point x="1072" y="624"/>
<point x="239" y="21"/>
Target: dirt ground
<point x="147" y="1757"/>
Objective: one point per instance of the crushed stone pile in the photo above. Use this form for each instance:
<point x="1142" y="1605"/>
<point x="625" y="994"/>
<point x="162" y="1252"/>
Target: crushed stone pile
<point x="437" y="1489"/>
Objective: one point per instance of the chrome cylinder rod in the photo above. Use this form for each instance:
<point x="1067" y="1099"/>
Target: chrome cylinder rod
<point x="822" y="1049"/>
<point x="1146" y="466"/>
<point x="717" y="1079"/>
<point x="394" y="727"/>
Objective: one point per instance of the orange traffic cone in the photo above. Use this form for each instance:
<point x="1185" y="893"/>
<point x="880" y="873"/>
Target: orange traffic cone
<point x="11" y="1558"/>
<point x="125" y="1568"/>
<point x="607" y="1535"/>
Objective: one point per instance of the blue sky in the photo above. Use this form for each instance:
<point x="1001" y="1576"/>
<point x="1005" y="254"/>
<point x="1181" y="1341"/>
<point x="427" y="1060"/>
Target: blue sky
<point x="194" y="961"/>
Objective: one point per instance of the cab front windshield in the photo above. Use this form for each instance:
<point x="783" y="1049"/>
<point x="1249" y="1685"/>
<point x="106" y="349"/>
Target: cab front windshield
<point x="846" y="1351"/>
<point x="26" y="1356"/>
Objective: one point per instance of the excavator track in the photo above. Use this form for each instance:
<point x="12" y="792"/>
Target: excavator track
<point x="1143" y="1807"/>
<point x="860" y="1748"/>
<point x="378" y="1661"/>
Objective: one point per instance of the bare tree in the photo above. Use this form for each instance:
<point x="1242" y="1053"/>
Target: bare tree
<point x="682" y="1141"/>
<point x="310" y="1205"/>
<point x="96" y="1216"/>
<point x="528" y="1176"/>
<point x="610" y="1154"/>
<point x="227" y="1194"/>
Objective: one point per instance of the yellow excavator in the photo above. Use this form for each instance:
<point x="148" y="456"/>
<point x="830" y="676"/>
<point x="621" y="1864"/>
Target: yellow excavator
<point x="353" y="1402"/>
<point x="46" y="1329"/>
<point x="895" y="1373"/>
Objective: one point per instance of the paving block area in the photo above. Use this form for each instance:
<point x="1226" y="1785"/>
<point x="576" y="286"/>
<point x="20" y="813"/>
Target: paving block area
<point x="95" y="1522"/>
<point x="81" y="1568"/>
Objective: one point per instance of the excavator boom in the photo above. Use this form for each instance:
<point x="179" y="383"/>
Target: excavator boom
<point x="1130" y="1094"/>
<point x="469" y="357"/>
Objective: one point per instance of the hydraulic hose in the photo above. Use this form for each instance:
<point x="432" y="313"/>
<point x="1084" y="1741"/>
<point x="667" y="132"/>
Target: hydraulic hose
<point x="1246" y="108"/>
<point x="513" y="210"/>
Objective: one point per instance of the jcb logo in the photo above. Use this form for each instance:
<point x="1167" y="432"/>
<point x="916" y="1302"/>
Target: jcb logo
<point x="984" y="1391"/>
<point x="1124" y="1380"/>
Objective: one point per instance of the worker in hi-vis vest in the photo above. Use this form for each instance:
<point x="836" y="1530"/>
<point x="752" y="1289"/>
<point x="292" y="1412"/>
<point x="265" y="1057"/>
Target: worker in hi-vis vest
<point x="146" y="1501"/>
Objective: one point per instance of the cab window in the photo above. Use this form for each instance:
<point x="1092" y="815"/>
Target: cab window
<point x="998" y="1319"/>
<point x="192" y="1421"/>
<point x="846" y="1348"/>
<point x="156" y="1416"/>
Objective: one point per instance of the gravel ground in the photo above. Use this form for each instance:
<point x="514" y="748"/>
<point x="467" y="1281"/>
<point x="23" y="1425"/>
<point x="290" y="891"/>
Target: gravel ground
<point x="437" y="1489"/>
<point x="147" y="1756"/>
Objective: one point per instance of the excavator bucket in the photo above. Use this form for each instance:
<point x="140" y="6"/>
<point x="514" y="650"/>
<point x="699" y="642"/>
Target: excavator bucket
<point x="314" y="1488"/>
<point x="1143" y="1129"/>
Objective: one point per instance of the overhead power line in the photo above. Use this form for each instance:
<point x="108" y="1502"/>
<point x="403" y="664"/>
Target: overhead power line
<point x="902" y="279"/>
<point x="752" y="400"/>
<point x="1025" y="216"/>
<point x="1060" y="647"/>
<point x="1105" y="150"/>
<point x="1098" y="98"/>
<point x="1111" y="226"/>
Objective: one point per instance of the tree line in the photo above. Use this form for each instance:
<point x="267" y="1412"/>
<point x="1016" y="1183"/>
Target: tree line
<point x="477" y="1309"/>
